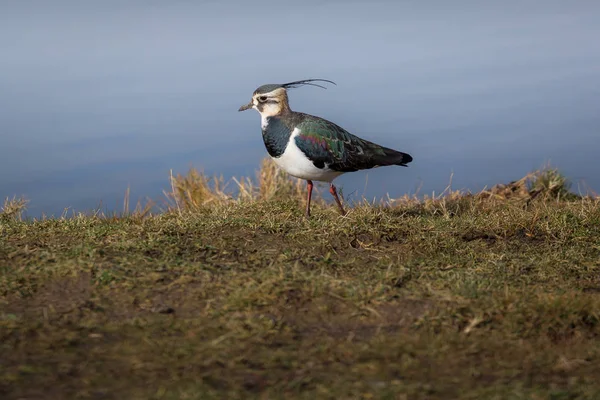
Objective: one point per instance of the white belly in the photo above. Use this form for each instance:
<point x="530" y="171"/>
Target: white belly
<point x="294" y="162"/>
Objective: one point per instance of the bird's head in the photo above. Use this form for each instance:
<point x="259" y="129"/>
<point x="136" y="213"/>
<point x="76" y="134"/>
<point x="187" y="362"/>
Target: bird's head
<point x="271" y="99"/>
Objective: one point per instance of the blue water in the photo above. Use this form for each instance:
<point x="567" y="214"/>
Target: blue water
<point x="99" y="96"/>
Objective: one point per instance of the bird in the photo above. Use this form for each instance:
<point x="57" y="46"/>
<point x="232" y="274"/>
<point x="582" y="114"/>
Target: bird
<point x="312" y="148"/>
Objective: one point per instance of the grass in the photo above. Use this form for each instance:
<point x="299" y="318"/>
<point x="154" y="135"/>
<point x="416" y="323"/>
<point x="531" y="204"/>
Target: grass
<point x="195" y="190"/>
<point x="493" y="295"/>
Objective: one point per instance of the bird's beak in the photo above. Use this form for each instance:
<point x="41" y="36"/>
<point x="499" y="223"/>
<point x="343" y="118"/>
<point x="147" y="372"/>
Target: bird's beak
<point x="246" y="107"/>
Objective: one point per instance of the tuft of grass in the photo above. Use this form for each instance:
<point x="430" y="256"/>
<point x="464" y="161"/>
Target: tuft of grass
<point x="546" y="183"/>
<point x="13" y="208"/>
<point x="196" y="190"/>
<point x="550" y="183"/>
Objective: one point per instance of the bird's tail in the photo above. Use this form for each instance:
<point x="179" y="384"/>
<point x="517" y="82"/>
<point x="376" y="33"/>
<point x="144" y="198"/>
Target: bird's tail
<point x="393" y="157"/>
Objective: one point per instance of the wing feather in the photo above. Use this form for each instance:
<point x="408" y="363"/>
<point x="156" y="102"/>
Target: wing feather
<point x="326" y="143"/>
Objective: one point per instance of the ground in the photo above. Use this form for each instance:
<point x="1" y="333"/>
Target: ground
<point x="467" y="298"/>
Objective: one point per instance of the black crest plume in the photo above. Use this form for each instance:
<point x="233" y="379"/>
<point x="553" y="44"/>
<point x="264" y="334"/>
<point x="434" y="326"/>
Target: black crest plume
<point x="296" y="84"/>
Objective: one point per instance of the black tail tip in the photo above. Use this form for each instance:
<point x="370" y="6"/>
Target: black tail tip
<point x="406" y="158"/>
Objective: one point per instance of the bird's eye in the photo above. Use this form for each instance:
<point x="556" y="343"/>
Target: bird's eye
<point x="262" y="98"/>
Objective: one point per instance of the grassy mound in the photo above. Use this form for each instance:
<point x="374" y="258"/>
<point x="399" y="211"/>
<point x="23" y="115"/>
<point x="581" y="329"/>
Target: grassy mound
<point x="487" y="295"/>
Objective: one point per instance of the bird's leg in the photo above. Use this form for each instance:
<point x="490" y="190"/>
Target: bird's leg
<point x="337" y="199"/>
<point x="310" y="188"/>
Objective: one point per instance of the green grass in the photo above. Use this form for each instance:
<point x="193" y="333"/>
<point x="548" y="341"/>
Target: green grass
<point x="465" y="296"/>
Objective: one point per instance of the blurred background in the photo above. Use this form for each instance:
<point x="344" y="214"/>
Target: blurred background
<point x="96" y="97"/>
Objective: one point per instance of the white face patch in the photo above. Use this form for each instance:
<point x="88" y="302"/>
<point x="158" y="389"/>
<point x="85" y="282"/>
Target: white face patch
<point x="270" y="109"/>
<point x="272" y="104"/>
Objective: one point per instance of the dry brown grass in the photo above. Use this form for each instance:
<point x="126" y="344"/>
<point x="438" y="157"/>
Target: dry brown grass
<point x="196" y="190"/>
<point x="13" y="208"/>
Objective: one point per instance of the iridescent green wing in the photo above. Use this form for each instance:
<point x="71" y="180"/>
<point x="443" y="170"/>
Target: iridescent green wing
<point x="324" y="142"/>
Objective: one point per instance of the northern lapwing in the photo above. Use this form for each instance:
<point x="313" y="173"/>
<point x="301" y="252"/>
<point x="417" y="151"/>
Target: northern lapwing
<point x="310" y="147"/>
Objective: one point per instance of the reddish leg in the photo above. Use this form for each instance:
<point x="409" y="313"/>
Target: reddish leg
<point x="337" y="199"/>
<point x="310" y="188"/>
